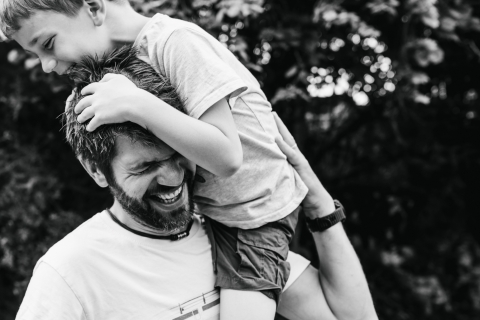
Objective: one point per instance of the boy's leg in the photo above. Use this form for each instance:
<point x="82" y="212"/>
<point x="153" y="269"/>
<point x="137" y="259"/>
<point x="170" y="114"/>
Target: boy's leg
<point x="251" y="266"/>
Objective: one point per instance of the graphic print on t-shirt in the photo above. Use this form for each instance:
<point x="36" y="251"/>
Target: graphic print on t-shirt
<point x="204" y="307"/>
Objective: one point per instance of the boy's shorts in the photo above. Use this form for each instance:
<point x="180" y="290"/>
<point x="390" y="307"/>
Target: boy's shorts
<point x="253" y="259"/>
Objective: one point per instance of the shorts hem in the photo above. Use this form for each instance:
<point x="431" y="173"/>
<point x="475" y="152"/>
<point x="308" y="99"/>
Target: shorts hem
<point x="249" y="284"/>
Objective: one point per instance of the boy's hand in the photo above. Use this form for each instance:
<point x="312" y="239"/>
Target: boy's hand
<point x="112" y="100"/>
<point x="318" y="201"/>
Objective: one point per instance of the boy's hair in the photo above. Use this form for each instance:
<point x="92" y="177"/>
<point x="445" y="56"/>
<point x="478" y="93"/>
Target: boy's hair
<point x="12" y="12"/>
<point x="98" y="147"/>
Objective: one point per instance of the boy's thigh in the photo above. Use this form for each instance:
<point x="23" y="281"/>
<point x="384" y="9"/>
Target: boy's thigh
<point x="304" y="299"/>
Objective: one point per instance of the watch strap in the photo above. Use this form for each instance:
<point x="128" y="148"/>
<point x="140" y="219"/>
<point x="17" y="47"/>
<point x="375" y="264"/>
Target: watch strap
<point x="323" y="223"/>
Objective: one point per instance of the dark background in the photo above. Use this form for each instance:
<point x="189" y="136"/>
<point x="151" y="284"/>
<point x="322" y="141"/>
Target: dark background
<point x="396" y="139"/>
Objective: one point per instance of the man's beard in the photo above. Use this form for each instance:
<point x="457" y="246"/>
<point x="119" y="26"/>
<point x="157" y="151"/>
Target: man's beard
<point x="144" y="213"/>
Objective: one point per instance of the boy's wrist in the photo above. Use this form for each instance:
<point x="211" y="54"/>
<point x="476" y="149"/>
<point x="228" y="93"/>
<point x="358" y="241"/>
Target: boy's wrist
<point x="144" y="106"/>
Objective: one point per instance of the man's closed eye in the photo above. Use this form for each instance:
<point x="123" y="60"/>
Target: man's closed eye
<point x="149" y="168"/>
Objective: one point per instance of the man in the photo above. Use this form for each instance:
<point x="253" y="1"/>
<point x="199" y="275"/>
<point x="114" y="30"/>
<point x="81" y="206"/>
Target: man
<point x="148" y="256"/>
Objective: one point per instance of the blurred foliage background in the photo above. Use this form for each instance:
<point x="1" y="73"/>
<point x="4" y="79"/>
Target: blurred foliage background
<point x="382" y="97"/>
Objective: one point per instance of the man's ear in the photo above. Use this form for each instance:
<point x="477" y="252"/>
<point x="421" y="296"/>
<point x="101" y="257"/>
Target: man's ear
<point x="94" y="172"/>
<point x="97" y="10"/>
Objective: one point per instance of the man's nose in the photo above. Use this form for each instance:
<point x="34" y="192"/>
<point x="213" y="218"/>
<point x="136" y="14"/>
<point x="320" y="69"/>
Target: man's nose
<point x="48" y="64"/>
<point x="171" y="174"/>
<point x="187" y="165"/>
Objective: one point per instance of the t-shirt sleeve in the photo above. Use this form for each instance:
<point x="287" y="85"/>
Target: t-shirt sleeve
<point x="298" y="264"/>
<point x="49" y="297"/>
<point x="192" y="63"/>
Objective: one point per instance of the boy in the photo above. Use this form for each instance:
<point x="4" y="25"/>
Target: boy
<point x="251" y="194"/>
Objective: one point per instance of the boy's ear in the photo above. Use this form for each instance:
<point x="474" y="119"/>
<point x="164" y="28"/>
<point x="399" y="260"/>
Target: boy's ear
<point x="94" y="172"/>
<point x="97" y="11"/>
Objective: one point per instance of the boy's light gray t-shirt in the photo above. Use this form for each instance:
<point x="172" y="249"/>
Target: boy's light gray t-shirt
<point x="266" y="188"/>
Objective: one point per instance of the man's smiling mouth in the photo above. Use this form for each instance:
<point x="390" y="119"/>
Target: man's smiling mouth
<point x="169" y="197"/>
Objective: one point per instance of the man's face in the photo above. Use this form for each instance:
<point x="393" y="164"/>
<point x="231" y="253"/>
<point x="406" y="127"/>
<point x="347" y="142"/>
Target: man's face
<point x="59" y="40"/>
<point x="153" y="184"/>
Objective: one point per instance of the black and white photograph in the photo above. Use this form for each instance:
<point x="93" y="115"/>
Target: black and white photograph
<point x="239" y="159"/>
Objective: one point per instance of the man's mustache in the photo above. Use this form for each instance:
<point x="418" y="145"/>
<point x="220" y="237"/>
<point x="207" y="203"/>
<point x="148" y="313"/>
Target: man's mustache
<point x="158" y="188"/>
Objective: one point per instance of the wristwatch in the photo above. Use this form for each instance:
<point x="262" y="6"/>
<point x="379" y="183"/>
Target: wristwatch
<point x="323" y="223"/>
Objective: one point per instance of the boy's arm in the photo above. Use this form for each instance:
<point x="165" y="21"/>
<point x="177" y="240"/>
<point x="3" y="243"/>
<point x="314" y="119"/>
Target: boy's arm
<point x="211" y="142"/>
<point x="338" y="289"/>
<point x="201" y="70"/>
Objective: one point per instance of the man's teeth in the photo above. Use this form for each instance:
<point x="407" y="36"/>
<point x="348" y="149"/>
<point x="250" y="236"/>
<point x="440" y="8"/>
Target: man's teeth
<point x="170" y="197"/>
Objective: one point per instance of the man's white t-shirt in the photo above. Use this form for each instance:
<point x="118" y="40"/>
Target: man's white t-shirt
<point x="266" y="188"/>
<point x="101" y="271"/>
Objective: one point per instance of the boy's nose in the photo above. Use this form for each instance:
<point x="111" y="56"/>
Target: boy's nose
<point x="48" y="65"/>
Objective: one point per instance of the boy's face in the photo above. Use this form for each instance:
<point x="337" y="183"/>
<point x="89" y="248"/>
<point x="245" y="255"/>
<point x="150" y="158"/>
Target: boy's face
<point x="59" y="40"/>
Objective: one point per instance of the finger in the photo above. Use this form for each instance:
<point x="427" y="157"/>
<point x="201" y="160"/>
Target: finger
<point x="286" y="149"/>
<point x="90" y="89"/>
<point x="109" y="76"/>
<point x="286" y="135"/>
<point x="95" y="123"/>
<point x="86" y="114"/>
<point x="69" y="100"/>
<point x="72" y="95"/>
<point x="83" y="104"/>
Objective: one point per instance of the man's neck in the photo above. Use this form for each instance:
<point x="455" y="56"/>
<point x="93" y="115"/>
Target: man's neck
<point x="124" y="24"/>
<point x="127" y="220"/>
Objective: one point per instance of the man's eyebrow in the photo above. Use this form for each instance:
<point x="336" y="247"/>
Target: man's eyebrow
<point x="142" y="164"/>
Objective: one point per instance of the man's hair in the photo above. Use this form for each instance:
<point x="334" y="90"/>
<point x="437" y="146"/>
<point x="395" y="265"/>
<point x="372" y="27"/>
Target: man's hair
<point x="13" y="12"/>
<point x="98" y="147"/>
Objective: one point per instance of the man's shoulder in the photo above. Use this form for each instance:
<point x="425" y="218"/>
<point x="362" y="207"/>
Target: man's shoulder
<point x="77" y="243"/>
